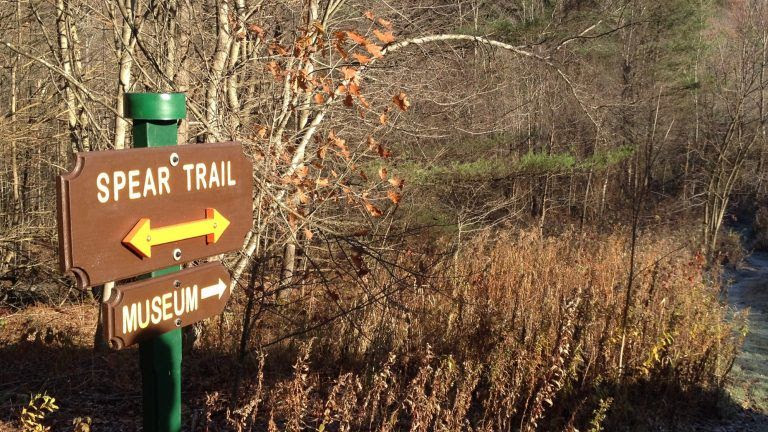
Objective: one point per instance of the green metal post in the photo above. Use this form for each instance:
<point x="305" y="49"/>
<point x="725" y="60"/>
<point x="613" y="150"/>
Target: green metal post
<point x="155" y="124"/>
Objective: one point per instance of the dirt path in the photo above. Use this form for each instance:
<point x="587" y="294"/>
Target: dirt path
<point x="748" y="382"/>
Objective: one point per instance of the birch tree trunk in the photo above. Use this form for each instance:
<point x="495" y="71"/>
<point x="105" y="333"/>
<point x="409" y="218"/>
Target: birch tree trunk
<point x="126" y="45"/>
<point x="218" y="65"/>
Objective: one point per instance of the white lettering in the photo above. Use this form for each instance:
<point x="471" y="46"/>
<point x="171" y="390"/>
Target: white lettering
<point x="129" y="319"/>
<point x="163" y="175"/>
<point x="192" y="298"/>
<point x="188" y="168"/>
<point x="157" y="314"/>
<point x="102" y="183"/>
<point x="230" y="180"/>
<point x="119" y="177"/>
<point x="200" y="176"/>
<point x="167" y="306"/>
<point x="133" y="184"/>
<point x="152" y="182"/>
<point x="149" y="183"/>
<point x="144" y="324"/>
<point x="178" y="302"/>
<point x="214" y="176"/>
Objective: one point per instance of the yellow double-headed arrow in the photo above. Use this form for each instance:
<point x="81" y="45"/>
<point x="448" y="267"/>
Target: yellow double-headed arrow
<point x="142" y="237"/>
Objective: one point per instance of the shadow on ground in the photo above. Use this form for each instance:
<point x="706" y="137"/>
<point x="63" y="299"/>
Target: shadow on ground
<point x="51" y="356"/>
<point x="106" y="387"/>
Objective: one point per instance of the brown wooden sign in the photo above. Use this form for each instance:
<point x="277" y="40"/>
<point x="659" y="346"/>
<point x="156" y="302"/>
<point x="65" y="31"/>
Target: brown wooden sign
<point x="124" y="213"/>
<point x="145" y="309"/>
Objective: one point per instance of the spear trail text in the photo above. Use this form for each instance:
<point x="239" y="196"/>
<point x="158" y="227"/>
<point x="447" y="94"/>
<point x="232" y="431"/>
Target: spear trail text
<point x="135" y="184"/>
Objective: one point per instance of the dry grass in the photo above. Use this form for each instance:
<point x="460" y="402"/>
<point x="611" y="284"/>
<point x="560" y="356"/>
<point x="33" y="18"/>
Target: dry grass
<point x="513" y="333"/>
<point x="516" y="333"/>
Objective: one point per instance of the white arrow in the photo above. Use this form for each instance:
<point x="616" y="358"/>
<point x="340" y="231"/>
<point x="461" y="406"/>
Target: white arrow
<point x="213" y="290"/>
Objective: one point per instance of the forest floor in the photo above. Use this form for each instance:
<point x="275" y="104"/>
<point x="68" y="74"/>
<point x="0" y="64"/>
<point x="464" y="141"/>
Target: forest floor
<point x="47" y="349"/>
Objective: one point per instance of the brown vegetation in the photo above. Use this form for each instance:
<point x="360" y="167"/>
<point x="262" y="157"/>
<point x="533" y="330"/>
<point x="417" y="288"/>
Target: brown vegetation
<point x="514" y="332"/>
<point x="463" y="209"/>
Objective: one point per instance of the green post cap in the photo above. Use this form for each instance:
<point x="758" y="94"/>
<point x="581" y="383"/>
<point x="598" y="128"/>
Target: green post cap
<point x="155" y="106"/>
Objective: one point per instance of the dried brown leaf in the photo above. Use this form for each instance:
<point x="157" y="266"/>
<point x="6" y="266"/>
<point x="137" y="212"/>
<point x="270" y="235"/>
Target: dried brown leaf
<point x="374" y="49"/>
<point x="350" y="73"/>
<point x="385" y="38"/>
<point x="394" y="196"/>
<point x="375" y="212"/>
<point x="401" y="101"/>
<point x="363" y="59"/>
<point x="384" y="23"/>
<point x="360" y="40"/>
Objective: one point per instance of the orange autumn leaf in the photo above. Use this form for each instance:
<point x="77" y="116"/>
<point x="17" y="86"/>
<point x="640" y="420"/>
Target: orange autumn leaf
<point x="321" y="151"/>
<point x="363" y="59"/>
<point x="338" y="142"/>
<point x="258" y="31"/>
<point x="344" y="54"/>
<point x="394" y="196"/>
<point x="340" y="36"/>
<point x="308" y="234"/>
<point x="402" y="102"/>
<point x="319" y="99"/>
<point x="369" y="15"/>
<point x="322" y="182"/>
<point x="360" y="40"/>
<point x="276" y="48"/>
<point x="383" y="118"/>
<point x="374" y="49"/>
<point x="384" y="23"/>
<point x="349" y="73"/>
<point x="354" y="89"/>
<point x="383" y="174"/>
<point x="375" y="212"/>
<point x="385" y="38"/>
<point x="274" y="69"/>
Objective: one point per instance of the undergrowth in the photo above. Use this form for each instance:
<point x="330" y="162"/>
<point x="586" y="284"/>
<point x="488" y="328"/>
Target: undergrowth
<point x="513" y="332"/>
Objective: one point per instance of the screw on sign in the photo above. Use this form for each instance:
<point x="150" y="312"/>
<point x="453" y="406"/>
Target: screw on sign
<point x="127" y="212"/>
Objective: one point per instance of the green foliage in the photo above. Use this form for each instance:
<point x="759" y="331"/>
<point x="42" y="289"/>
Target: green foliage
<point x="608" y="158"/>
<point x="535" y="163"/>
<point x="538" y="162"/>
<point x="596" y="424"/>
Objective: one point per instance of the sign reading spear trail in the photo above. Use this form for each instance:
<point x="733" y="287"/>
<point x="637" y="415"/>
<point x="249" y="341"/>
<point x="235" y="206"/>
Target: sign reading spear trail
<point x="128" y="212"/>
